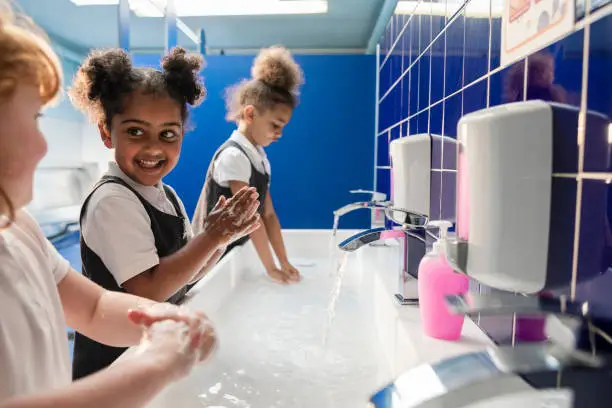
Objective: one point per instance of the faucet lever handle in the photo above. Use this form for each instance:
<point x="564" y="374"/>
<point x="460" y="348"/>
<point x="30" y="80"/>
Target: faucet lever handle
<point x="504" y="303"/>
<point x="406" y="218"/>
<point x="376" y="196"/>
<point x="532" y="357"/>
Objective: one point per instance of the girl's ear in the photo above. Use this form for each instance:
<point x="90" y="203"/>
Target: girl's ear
<point x="249" y="114"/>
<point x="105" y="135"/>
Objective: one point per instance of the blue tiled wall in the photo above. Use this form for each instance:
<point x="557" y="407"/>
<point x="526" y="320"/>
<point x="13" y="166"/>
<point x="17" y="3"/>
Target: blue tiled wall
<point x="434" y="69"/>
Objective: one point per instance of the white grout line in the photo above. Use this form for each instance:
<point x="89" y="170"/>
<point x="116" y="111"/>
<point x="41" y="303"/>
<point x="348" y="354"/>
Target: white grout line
<point x="580" y="139"/>
<point x="525" y="77"/>
<point x="607" y="177"/>
<point x="463" y="60"/>
<point x="566" y="175"/>
<point x="376" y="116"/>
<point x="490" y="52"/>
<point x="383" y="167"/>
<point x="423" y="52"/>
<point x="419" y="71"/>
<point x="430" y="71"/>
<point x="390" y="51"/>
<point x="443" y="115"/>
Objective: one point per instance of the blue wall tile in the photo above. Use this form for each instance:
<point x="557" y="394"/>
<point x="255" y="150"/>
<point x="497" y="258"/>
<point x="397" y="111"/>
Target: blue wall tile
<point x="405" y="97"/>
<point x="435" y="119"/>
<point x="450" y="154"/>
<point x="452" y="114"/>
<point x="495" y="42"/>
<point x="504" y="85"/>
<point x="475" y="97"/>
<point x="449" y="195"/>
<point x="413" y="102"/>
<point x="595" y="246"/>
<point x="406" y="44"/>
<point x="437" y="25"/>
<point x="395" y="133"/>
<point x="454" y="55"/>
<point x="422" y="121"/>
<point x="383" y="179"/>
<point x="561" y="234"/>
<point x="598" y="149"/>
<point x="385" y="79"/>
<point x="424" y="72"/>
<point x="437" y="75"/>
<point x="597" y="146"/>
<point x="383" y="150"/>
<point x="436" y="154"/>
<point x="435" y="194"/>
<point x="476" y="51"/>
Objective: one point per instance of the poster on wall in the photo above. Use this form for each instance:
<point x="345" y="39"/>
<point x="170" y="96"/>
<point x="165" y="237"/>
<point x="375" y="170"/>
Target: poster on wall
<point x="529" y="25"/>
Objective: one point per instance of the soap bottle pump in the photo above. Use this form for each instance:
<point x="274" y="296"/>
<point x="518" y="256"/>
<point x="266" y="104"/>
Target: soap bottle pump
<point x="437" y="279"/>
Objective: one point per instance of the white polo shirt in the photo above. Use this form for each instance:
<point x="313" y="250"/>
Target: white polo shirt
<point x="233" y="165"/>
<point x="117" y="228"/>
<point x="34" y="355"/>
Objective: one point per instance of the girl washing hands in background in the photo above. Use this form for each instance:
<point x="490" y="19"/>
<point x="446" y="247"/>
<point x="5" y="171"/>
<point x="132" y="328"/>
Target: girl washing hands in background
<point x="40" y="292"/>
<point x="136" y="237"/>
<point x="261" y="107"/>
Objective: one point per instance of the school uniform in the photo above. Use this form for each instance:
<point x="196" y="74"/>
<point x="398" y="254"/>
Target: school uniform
<point x="34" y="354"/>
<point x="236" y="160"/>
<point x="125" y="229"/>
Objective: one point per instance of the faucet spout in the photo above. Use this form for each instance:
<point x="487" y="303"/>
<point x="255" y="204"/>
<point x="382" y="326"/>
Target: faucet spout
<point x="362" y="238"/>
<point x="414" y="243"/>
<point x="366" y="237"/>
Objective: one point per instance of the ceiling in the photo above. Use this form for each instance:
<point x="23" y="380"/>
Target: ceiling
<point x="346" y="27"/>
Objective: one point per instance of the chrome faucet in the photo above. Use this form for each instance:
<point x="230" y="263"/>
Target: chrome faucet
<point x="476" y="378"/>
<point x="413" y="233"/>
<point x="378" y="202"/>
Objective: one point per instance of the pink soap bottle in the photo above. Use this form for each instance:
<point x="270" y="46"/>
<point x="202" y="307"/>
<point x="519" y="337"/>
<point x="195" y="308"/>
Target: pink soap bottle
<point x="437" y="279"/>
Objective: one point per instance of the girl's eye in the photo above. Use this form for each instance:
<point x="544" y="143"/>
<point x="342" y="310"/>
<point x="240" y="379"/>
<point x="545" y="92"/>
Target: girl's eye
<point x="275" y="126"/>
<point x="134" y="131"/>
<point x="38" y="115"/>
<point x="168" y="135"/>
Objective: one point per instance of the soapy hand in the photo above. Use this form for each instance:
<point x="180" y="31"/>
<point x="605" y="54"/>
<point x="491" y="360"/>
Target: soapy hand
<point x="286" y="274"/>
<point x="233" y="218"/>
<point x="176" y="347"/>
<point x="290" y="271"/>
<point x="176" y="337"/>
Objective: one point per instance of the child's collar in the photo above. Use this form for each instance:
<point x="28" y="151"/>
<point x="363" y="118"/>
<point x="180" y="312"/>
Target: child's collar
<point x="115" y="171"/>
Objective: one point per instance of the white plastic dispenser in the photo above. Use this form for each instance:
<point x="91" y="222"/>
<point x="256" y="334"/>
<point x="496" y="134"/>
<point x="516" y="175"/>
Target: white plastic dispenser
<point x="412" y="161"/>
<point x="515" y="221"/>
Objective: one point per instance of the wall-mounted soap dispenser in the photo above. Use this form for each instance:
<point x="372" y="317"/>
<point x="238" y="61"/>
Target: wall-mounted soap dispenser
<point x="515" y="224"/>
<point x="413" y="158"/>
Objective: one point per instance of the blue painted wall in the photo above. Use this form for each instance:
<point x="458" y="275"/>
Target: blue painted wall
<point x="326" y="150"/>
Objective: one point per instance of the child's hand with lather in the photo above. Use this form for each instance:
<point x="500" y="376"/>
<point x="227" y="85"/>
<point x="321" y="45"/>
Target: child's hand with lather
<point x="233" y="218"/>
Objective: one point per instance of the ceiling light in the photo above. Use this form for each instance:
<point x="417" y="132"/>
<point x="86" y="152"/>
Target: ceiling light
<point x="249" y="7"/>
<point x="94" y="2"/>
<point x="192" y="8"/>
